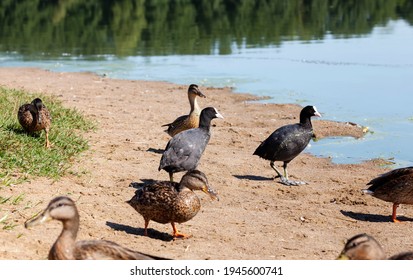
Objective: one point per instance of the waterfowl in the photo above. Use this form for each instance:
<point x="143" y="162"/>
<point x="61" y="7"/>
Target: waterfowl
<point x="362" y="247"/>
<point x="365" y="247"/>
<point x="192" y="119"/>
<point x="66" y="247"/>
<point x="34" y="117"/>
<point x="287" y="142"/>
<point x="395" y="186"/>
<point x="184" y="150"/>
<point x="171" y="202"/>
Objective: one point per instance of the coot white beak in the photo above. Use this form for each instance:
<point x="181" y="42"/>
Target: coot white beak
<point x="316" y="113"/>
<point x="218" y="115"/>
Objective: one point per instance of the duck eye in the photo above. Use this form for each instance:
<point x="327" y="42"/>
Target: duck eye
<point x="353" y="244"/>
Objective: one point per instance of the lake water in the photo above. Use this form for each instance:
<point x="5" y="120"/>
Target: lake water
<point x="353" y="69"/>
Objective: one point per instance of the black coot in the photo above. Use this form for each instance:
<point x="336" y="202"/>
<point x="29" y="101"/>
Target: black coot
<point x="184" y="150"/>
<point x="287" y="142"/>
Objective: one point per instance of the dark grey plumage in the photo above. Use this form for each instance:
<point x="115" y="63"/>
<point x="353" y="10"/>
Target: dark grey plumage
<point x="287" y="142"/>
<point x="395" y="186"/>
<point x="184" y="150"/>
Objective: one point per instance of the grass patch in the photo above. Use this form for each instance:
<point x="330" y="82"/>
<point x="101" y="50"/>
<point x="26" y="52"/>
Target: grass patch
<point x="23" y="155"/>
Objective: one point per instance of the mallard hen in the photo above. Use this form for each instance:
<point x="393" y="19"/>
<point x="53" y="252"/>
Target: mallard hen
<point x="192" y="119"/>
<point x="67" y="248"/>
<point x="34" y="117"/>
<point x="365" y="247"/>
<point x="395" y="186"/>
<point x="171" y="202"/>
<point x="287" y="142"/>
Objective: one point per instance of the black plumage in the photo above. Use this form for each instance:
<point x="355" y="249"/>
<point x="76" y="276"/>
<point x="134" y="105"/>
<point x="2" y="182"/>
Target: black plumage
<point x="184" y="150"/>
<point x="287" y="142"/>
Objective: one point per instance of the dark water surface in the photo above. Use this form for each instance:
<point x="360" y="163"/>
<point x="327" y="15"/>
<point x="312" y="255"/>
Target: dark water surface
<point x="352" y="59"/>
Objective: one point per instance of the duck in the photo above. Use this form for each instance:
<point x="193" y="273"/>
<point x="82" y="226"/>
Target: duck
<point x="395" y="186"/>
<point x="287" y="142"/>
<point x="192" y="119"/>
<point x="366" y="247"/>
<point x="63" y="208"/>
<point x="184" y="150"/>
<point x="171" y="202"/>
<point x="34" y="117"/>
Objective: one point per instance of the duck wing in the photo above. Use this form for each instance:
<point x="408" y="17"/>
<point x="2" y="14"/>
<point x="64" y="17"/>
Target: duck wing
<point x="107" y="250"/>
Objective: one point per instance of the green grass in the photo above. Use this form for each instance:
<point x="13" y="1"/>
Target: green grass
<point x="23" y="156"/>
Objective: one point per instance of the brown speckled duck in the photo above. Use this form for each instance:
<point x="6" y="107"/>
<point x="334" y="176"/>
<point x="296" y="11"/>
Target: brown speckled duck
<point x="34" y="117"/>
<point x="395" y="186"/>
<point x="187" y="121"/>
<point x="67" y="248"/>
<point x="365" y="247"/>
<point x="171" y="202"/>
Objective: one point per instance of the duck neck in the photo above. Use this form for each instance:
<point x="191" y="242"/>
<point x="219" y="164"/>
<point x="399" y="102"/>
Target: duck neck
<point x="194" y="104"/>
<point x="64" y="246"/>
<point x="36" y="114"/>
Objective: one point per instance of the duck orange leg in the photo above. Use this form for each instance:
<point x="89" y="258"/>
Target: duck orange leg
<point x="393" y="216"/>
<point x="177" y="234"/>
<point x="47" y="140"/>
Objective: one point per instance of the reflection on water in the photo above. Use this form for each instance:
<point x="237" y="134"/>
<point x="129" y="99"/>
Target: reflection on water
<point x="352" y="59"/>
<point x="52" y="28"/>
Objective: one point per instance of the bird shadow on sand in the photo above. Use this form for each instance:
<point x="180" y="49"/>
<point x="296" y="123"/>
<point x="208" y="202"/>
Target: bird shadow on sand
<point x="253" y="178"/>
<point x="137" y="185"/>
<point x="152" y="233"/>
<point x="156" y="151"/>
<point x="373" y="218"/>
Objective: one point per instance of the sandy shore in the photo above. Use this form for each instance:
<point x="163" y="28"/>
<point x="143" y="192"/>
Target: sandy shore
<point x="256" y="217"/>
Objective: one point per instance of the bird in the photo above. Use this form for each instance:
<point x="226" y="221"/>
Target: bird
<point x="395" y="186"/>
<point x="365" y="247"/>
<point x="63" y="208"/>
<point x="192" y="119"/>
<point x="184" y="150"/>
<point x="362" y="247"/>
<point x="171" y="202"/>
<point x="287" y="142"/>
<point x="34" y="117"/>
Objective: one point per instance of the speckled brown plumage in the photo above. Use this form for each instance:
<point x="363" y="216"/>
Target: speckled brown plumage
<point x="171" y="202"/>
<point x="365" y="247"/>
<point x="192" y="119"/>
<point x="395" y="186"/>
<point x="34" y="117"/>
<point x="67" y="248"/>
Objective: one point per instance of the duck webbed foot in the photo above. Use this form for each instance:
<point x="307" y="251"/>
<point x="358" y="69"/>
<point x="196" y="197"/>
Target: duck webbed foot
<point x="177" y="234"/>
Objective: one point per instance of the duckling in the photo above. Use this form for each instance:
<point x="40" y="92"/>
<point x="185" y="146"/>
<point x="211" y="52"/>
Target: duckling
<point x="34" y="117"/>
<point x="184" y="150"/>
<point x="395" y="186"/>
<point x="171" y="202"/>
<point x="192" y="119"/>
<point x="365" y="247"/>
<point x="287" y="142"/>
<point x="66" y="247"/>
